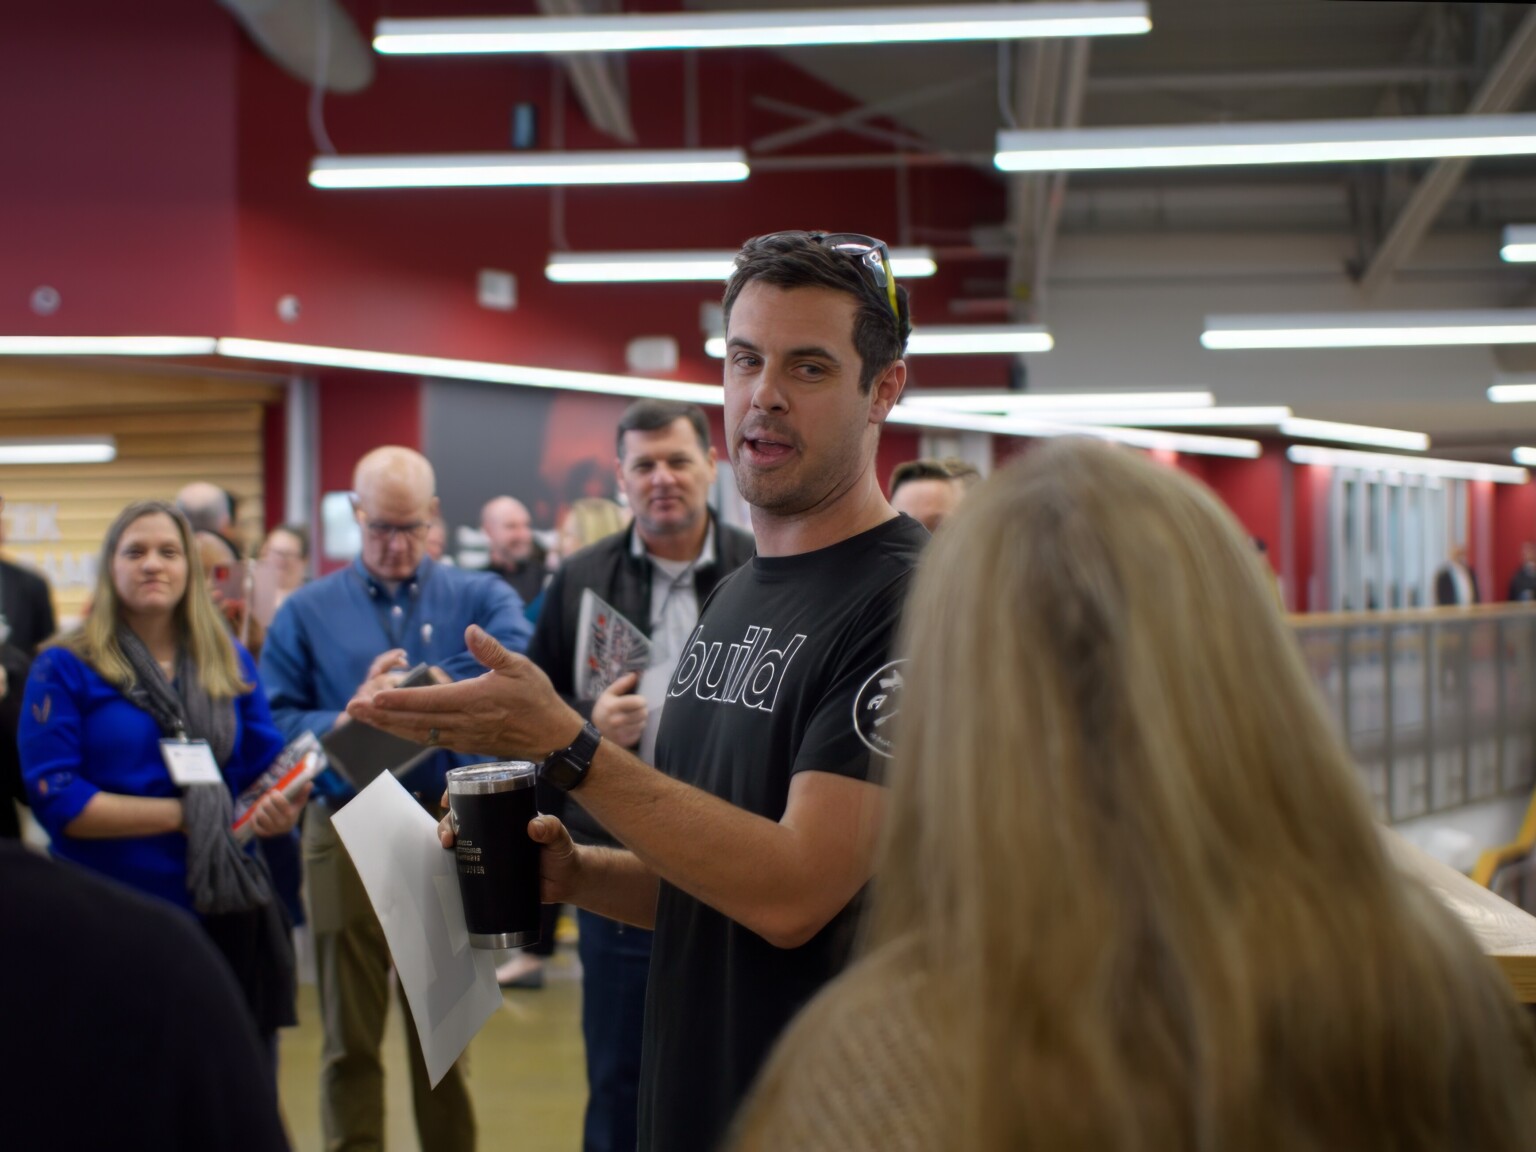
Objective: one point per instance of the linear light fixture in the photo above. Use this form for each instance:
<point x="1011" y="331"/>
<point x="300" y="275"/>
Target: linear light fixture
<point x="1354" y="434"/>
<point x="1301" y="142"/>
<point x="1413" y="465"/>
<point x="325" y="357"/>
<point x="638" y="31"/>
<point x="1514" y="390"/>
<point x="713" y="266"/>
<point x="1235" y="417"/>
<point x="1371" y="329"/>
<point x="1002" y="402"/>
<point x="106" y="345"/>
<point x="1524" y="456"/>
<point x="1519" y="243"/>
<point x="954" y="340"/>
<point x="1038" y="427"/>
<point x="596" y="382"/>
<point x="522" y="169"/>
<point x="58" y="450"/>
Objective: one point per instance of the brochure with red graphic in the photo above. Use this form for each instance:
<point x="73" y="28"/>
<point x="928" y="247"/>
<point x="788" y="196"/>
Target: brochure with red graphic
<point x="607" y="646"/>
<point x="296" y="765"/>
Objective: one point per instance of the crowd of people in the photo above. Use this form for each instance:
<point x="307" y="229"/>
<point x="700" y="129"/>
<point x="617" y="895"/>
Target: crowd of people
<point x="937" y="817"/>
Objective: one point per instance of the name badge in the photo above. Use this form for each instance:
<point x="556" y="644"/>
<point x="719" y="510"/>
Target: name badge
<point x="190" y="762"/>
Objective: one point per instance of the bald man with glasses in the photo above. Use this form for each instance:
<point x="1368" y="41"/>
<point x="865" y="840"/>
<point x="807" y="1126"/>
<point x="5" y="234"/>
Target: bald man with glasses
<point x="342" y="638"/>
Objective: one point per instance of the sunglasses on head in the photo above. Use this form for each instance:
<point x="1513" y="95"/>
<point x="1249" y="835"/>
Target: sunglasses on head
<point x="870" y="254"/>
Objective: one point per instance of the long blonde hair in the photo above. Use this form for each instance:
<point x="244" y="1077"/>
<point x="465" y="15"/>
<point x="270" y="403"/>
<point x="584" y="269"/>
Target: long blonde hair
<point x="199" y="627"/>
<point x="1128" y="845"/>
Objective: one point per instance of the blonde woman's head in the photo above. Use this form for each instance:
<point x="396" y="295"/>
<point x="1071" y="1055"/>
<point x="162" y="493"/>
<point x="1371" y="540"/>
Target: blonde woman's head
<point x="150" y="566"/>
<point x="1123" y="830"/>
<point x="587" y="521"/>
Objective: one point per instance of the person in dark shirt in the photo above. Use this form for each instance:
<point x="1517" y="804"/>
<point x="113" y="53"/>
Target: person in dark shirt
<point x="655" y="574"/>
<point x="747" y="850"/>
<point x="515" y="555"/>
<point x="163" y="1055"/>
<point x="1522" y="585"/>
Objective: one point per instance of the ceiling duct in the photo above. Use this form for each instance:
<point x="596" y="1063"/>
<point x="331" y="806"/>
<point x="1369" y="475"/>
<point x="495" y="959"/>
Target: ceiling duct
<point x="314" y="40"/>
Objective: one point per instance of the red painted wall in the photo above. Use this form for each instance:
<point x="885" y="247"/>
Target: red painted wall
<point x="395" y="269"/>
<point x="117" y="175"/>
<point x="357" y="413"/>
<point x="1514" y="523"/>
<point x="1251" y="489"/>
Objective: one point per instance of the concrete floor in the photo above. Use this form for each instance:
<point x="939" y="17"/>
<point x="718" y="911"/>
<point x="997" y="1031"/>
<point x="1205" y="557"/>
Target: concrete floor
<point x="526" y="1070"/>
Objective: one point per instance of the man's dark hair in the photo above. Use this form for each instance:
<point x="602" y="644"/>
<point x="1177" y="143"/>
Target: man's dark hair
<point x="797" y="260"/>
<point x="912" y="470"/>
<point x="654" y="415"/>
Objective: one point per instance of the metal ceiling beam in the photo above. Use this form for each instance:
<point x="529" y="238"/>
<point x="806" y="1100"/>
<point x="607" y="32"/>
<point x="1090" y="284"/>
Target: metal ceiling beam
<point x="869" y="131"/>
<point x="856" y="116"/>
<point x="1502" y="89"/>
<point x="1264" y="81"/>
<point x="1074" y="93"/>
<point x="598" y="78"/>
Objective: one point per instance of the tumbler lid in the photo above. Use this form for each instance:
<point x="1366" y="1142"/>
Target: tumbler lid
<point x="487" y="778"/>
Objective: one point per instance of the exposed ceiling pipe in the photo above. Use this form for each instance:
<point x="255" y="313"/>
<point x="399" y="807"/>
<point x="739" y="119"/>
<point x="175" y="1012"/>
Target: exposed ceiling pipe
<point x="291" y="32"/>
<point x="1501" y="91"/>
<point x="598" y="79"/>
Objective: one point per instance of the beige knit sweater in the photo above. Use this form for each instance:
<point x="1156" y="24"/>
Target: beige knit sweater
<point x="854" y="1072"/>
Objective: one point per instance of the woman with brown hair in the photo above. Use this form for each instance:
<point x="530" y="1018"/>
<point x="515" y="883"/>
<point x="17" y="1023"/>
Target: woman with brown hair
<point x="1130" y="895"/>
<point x="136" y="730"/>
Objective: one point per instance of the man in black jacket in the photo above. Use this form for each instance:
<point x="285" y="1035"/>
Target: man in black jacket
<point x="656" y="575"/>
<point x="26" y="620"/>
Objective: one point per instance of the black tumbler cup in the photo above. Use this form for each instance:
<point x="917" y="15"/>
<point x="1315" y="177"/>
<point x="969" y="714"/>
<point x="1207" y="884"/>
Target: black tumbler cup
<point x="498" y="863"/>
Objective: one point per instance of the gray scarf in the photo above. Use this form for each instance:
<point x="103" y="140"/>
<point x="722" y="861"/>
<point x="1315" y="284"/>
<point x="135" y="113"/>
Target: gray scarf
<point x="221" y="877"/>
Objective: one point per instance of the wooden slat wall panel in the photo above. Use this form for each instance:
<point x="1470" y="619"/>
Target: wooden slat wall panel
<point x="169" y="431"/>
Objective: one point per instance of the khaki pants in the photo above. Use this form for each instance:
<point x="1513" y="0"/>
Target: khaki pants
<point x="353" y="964"/>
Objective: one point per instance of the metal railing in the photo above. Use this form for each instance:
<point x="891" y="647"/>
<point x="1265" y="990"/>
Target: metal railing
<point x="1438" y="706"/>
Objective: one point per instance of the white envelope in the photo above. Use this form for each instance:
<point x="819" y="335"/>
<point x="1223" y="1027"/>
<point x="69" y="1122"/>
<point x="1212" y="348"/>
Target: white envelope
<point x="414" y="889"/>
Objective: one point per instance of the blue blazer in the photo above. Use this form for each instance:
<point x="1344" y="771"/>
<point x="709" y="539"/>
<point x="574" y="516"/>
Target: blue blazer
<point x="79" y="736"/>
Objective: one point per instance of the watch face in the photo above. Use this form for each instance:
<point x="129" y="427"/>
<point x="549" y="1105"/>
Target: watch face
<point x="562" y="772"/>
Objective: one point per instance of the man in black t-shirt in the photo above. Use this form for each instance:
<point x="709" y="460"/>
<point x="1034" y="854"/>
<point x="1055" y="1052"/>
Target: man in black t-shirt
<point x="748" y="848"/>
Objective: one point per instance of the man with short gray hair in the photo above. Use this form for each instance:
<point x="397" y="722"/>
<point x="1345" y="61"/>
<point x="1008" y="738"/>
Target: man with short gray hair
<point x="346" y="637"/>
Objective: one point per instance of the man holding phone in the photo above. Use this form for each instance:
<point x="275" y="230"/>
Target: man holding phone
<point x="345" y="637"/>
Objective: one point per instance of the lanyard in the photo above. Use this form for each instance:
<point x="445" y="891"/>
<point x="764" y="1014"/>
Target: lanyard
<point x="395" y="621"/>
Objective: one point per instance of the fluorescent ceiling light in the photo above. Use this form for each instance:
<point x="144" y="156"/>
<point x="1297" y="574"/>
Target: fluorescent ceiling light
<point x="516" y="169"/>
<point x="1370" y="329"/>
<point x="1303" y="142"/>
<point x="646" y="267"/>
<point x="1413" y="465"/>
<point x="636" y="31"/>
<point x="1354" y="434"/>
<point x="472" y="370"/>
<point x="1513" y="390"/>
<point x="106" y="345"/>
<point x="965" y="339"/>
<point x="1525" y="455"/>
<point x="58" y="450"/>
<point x="1037" y="427"/>
<point x="1057" y="401"/>
<point x="1519" y="243"/>
<point x="954" y="340"/>
<point x="1236" y="417"/>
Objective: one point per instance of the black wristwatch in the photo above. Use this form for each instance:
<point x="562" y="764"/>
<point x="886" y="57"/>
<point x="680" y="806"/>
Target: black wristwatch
<point x="567" y="768"/>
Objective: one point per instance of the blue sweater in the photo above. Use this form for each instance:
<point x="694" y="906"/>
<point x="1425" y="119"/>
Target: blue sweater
<point x="327" y="633"/>
<point x="79" y="736"/>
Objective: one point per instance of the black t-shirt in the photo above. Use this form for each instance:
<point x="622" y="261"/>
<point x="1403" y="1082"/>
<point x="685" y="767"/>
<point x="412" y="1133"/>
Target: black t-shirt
<point x="161" y="1054"/>
<point x="788" y="671"/>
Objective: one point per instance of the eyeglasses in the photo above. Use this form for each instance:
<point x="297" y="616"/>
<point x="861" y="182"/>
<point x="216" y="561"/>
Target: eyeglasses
<point x="868" y="253"/>
<point x="379" y="530"/>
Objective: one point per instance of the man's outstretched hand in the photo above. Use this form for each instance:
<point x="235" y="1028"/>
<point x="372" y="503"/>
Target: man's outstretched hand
<point x="511" y="711"/>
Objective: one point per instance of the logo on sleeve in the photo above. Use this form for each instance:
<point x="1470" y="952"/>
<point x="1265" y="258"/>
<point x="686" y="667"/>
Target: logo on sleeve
<point x="876" y="705"/>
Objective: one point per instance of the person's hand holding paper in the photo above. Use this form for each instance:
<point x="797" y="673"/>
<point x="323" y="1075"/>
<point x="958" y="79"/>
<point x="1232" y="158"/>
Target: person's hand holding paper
<point x="413" y="887"/>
